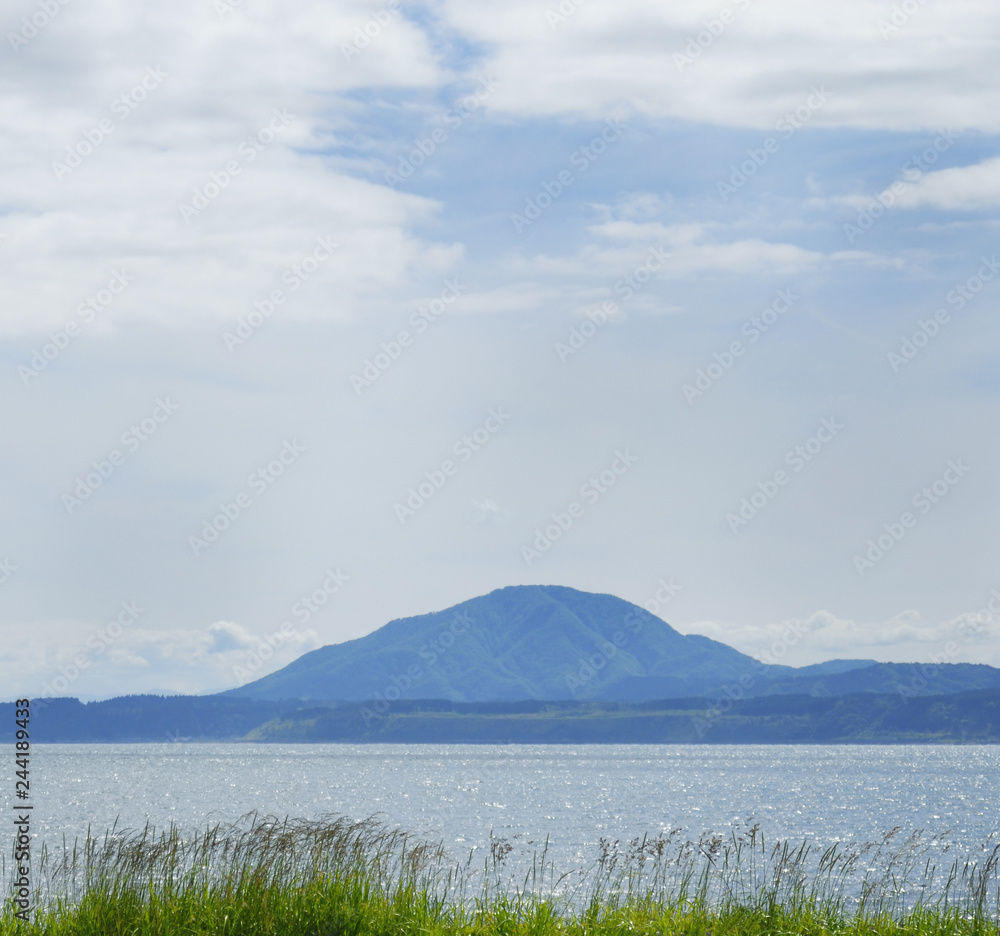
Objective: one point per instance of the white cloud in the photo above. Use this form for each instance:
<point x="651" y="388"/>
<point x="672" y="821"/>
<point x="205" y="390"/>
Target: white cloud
<point x="760" y="66"/>
<point x="970" y="637"/>
<point x="74" y="660"/>
<point x="226" y="75"/>
<point x="209" y="86"/>
<point x="961" y="188"/>
<point x="487" y="512"/>
<point x="689" y="254"/>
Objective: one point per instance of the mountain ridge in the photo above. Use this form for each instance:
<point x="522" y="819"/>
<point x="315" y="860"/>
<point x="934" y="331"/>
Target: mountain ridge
<point x="555" y="643"/>
<point x="859" y="718"/>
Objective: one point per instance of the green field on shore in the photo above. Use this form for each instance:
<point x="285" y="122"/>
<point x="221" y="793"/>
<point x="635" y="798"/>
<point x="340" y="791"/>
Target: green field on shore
<point x="312" y="878"/>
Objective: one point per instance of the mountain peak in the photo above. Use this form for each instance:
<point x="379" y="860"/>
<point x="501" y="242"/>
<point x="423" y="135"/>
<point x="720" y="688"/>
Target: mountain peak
<point x="544" y="642"/>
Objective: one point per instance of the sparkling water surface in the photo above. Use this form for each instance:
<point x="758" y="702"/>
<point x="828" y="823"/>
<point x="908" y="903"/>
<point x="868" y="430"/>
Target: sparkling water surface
<point x="572" y="794"/>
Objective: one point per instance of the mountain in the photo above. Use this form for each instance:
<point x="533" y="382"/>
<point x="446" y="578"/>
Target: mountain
<point x="549" y="642"/>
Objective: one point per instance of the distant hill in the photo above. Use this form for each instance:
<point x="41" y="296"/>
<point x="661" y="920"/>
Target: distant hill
<point x="860" y="718"/>
<point x="142" y="718"/>
<point x="549" y="643"/>
<point x="898" y="678"/>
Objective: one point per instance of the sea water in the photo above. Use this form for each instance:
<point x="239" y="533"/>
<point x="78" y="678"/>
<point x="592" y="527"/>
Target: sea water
<point x="571" y="795"/>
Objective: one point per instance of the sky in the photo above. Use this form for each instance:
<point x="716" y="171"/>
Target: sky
<point x="318" y="315"/>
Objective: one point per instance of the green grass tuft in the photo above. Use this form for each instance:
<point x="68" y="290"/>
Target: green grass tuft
<point x="337" y="876"/>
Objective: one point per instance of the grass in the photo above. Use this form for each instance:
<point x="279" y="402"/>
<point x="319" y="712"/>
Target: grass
<point x="336" y="876"/>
